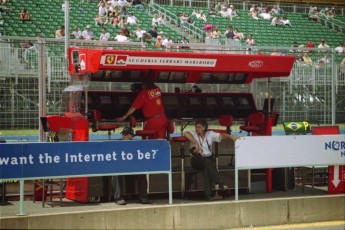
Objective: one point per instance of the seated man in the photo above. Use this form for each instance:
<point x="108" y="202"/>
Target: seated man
<point x="201" y="141"/>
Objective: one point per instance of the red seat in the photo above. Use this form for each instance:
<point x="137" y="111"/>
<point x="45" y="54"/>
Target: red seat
<point x="255" y="121"/>
<point x="144" y="134"/>
<point x="97" y="118"/>
<point x="225" y="121"/>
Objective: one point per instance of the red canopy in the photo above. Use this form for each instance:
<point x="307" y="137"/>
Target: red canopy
<point x="194" y="64"/>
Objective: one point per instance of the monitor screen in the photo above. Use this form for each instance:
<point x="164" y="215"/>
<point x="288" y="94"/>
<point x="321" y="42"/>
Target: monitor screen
<point x="211" y="101"/>
<point x="228" y="101"/>
<point x="170" y="100"/>
<point x="194" y="101"/>
<point x="105" y="100"/>
<point x="124" y="101"/>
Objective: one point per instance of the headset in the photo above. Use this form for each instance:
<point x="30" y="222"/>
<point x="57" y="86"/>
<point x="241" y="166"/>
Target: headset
<point x="203" y="123"/>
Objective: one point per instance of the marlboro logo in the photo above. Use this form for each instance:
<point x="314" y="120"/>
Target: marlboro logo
<point x="121" y="59"/>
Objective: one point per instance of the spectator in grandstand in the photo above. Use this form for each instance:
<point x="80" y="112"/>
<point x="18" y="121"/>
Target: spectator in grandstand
<point x="323" y="46"/>
<point x="128" y="134"/>
<point x="76" y="33"/>
<point x="123" y="11"/>
<point x="167" y="42"/>
<point x="60" y="33"/>
<point x="307" y="59"/>
<point x="340" y="49"/>
<point x="118" y="20"/>
<point x="224" y="6"/>
<point x="131" y="19"/>
<point x="24" y="15"/>
<point x="184" y="41"/>
<point x="153" y="32"/>
<point x="254" y="15"/>
<point x="156" y="20"/>
<point x="324" y="60"/>
<point x="276" y="10"/>
<point x="122" y="3"/>
<point x="87" y="34"/>
<point x="299" y="59"/>
<point x="275" y="53"/>
<point x="199" y="15"/>
<point x="285" y="21"/>
<point x="294" y="46"/>
<point x="184" y="19"/>
<point x="342" y="66"/>
<point x="139" y="32"/>
<point x="276" y="21"/>
<point x="238" y="35"/>
<point x="208" y="33"/>
<point x="265" y="16"/>
<point x="159" y="42"/>
<point x="252" y="9"/>
<point x="121" y="37"/>
<point x="216" y="34"/>
<point x="137" y="4"/>
<point x="149" y="101"/>
<point x="223" y="13"/>
<point x="104" y="35"/>
<point x="310" y="45"/>
<point x="201" y="143"/>
<point x="232" y="12"/>
<point x="250" y="42"/>
<point x="102" y="9"/>
<point x="229" y="34"/>
<point x="212" y="10"/>
<point x="126" y="30"/>
<point x="313" y="14"/>
<point x="63" y="6"/>
<point x="4" y="9"/>
<point x="323" y="12"/>
<point x="100" y="21"/>
<point x="331" y="13"/>
<point x="218" y="7"/>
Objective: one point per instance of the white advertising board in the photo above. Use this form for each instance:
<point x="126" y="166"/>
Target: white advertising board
<point x="290" y="151"/>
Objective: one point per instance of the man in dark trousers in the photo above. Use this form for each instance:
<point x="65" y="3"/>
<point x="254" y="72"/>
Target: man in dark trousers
<point x="201" y="141"/>
<point x="128" y="134"/>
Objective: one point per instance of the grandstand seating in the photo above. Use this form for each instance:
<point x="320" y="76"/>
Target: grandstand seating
<point x="47" y="17"/>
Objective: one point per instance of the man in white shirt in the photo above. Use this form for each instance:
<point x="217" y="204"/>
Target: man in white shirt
<point x="167" y="42"/>
<point x="121" y="37"/>
<point x="131" y="19"/>
<point x="139" y="32"/>
<point x="104" y="35"/>
<point x="201" y="141"/>
<point x="87" y="34"/>
<point x="340" y="49"/>
<point x="76" y="34"/>
<point x="323" y="46"/>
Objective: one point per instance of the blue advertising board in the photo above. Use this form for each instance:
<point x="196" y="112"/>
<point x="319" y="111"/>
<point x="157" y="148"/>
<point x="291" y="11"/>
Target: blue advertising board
<point x="67" y="159"/>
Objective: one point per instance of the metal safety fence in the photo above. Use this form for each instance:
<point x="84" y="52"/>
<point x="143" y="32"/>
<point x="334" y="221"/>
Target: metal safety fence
<point x="313" y="91"/>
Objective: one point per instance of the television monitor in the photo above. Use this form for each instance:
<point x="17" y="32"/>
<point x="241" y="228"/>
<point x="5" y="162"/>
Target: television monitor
<point x="105" y="100"/>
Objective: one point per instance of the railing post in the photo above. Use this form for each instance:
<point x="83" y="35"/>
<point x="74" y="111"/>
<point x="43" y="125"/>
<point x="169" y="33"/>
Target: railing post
<point x="41" y="87"/>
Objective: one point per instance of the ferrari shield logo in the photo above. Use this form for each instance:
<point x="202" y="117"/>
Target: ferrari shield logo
<point x="109" y="59"/>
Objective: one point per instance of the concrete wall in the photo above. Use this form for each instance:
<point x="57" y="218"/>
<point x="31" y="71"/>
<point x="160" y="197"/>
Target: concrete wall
<point x="208" y="215"/>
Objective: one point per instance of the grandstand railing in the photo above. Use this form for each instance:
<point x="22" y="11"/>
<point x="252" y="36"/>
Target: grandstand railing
<point x="245" y="5"/>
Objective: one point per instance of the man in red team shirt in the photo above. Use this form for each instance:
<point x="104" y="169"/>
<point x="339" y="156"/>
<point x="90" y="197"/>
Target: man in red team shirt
<point x="149" y="100"/>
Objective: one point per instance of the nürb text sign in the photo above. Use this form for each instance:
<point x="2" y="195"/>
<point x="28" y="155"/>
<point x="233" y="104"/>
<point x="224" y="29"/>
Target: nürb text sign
<point x="290" y="151"/>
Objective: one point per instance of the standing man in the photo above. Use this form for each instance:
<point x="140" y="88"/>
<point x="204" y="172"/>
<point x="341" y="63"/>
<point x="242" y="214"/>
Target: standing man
<point x="201" y="141"/>
<point x="149" y="100"/>
<point x="128" y="134"/>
